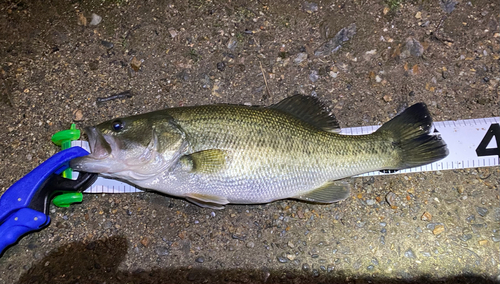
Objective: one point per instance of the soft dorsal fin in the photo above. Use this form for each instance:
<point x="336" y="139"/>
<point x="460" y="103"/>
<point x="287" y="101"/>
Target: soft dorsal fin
<point x="311" y="110"/>
<point x="332" y="191"/>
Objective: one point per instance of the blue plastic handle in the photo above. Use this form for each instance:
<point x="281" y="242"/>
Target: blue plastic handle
<point x="19" y="195"/>
<point x="18" y="224"/>
<point x="16" y="218"/>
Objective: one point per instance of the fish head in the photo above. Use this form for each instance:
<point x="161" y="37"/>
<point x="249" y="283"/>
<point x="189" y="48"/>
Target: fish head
<point x="133" y="148"/>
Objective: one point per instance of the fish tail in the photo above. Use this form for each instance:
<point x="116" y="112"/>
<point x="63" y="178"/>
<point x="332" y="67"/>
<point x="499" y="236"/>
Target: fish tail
<point x="414" y="138"/>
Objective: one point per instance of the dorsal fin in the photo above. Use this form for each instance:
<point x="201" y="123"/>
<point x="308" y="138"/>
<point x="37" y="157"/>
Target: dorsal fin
<point x="311" y="110"/>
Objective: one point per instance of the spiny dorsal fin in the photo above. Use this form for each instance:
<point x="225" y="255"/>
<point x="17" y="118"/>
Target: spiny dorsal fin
<point x="329" y="192"/>
<point x="311" y="110"/>
<point x="207" y="161"/>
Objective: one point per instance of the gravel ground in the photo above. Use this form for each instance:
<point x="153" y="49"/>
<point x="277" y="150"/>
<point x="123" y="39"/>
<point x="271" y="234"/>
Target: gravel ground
<point x="369" y="59"/>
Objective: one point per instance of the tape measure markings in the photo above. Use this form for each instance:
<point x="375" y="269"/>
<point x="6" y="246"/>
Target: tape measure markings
<point x="464" y="139"/>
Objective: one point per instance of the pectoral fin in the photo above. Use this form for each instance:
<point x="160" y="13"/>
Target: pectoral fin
<point x="329" y="192"/>
<point x="208" y="201"/>
<point x="207" y="161"/>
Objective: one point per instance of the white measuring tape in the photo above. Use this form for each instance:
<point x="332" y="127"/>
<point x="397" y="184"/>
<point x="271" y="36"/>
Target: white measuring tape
<point x="472" y="143"/>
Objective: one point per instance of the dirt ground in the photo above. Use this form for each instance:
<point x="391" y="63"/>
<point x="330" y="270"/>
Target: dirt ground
<point x="57" y="61"/>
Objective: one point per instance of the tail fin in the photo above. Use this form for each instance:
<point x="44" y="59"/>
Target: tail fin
<point x="411" y="132"/>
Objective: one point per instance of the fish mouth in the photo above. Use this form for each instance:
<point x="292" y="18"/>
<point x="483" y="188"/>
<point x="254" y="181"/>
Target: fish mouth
<point x="100" y="149"/>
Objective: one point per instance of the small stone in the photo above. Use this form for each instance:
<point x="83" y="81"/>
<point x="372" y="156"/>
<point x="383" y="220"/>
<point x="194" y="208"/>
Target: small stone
<point x="173" y="33"/>
<point x="438" y="229"/>
<point x="290" y="244"/>
<point x="387" y="98"/>
<point x="426" y="216"/>
<point x="482" y="211"/>
<point x="96" y="20"/>
<point x="282" y="259"/>
<point x="145" y="241"/>
<point x="82" y="21"/>
<point x="135" y="64"/>
<point x="300" y="57"/>
<point x="448" y="5"/>
<point x="250" y="245"/>
<point x="418" y="15"/>
<point x="370" y="202"/>
<point x="391" y="198"/>
<point x="107" y="44"/>
<point x="314" y="76"/>
<point x="200" y="259"/>
<point x="162" y="251"/>
<point x="483" y="242"/>
<point x="221" y="66"/>
<point x="310" y="7"/>
<point x="305" y="267"/>
<point x="386" y="10"/>
<point x="496" y="237"/>
<point x="471" y="218"/>
<point x="412" y="47"/>
<point x="232" y="43"/>
<point x="410" y="254"/>
<point x="77" y="115"/>
<point x="465" y="237"/>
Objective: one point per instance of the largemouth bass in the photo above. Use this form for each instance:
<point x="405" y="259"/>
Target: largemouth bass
<point x="218" y="154"/>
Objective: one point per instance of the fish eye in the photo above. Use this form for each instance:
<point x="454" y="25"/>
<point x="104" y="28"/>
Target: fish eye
<point x="117" y="125"/>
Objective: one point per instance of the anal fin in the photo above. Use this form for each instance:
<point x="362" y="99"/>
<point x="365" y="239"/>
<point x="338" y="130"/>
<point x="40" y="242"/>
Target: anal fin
<point x="207" y="201"/>
<point x="332" y="191"/>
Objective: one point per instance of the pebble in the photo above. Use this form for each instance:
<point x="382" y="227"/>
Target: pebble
<point x="282" y="259"/>
<point x="438" y="229"/>
<point x="300" y="57"/>
<point x="162" y="251"/>
<point x="465" y="237"/>
<point x="310" y="7"/>
<point x="382" y="240"/>
<point x="410" y="254"/>
<point x="496" y="237"/>
<point x="412" y="47"/>
<point x="77" y="115"/>
<point x="135" y="64"/>
<point x="250" y="245"/>
<point x="336" y="42"/>
<point x="96" y="20"/>
<point x="330" y="268"/>
<point x="482" y="211"/>
<point x="391" y="198"/>
<point x="107" y="44"/>
<point x="173" y="32"/>
<point x="232" y="43"/>
<point x="426" y="216"/>
<point x="200" y="259"/>
<point x="145" y="241"/>
<point x="315" y="272"/>
<point x="305" y="267"/>
<point x="370" y="202"/>
<point x="314" y="76"/>
<point x="471" y="218"/>
<point x="370" y="267"/>
<point x="221" y="66"/>
<point x="448" y="5"/>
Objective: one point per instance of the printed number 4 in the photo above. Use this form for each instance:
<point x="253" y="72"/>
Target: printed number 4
<point x="493" y="131"/>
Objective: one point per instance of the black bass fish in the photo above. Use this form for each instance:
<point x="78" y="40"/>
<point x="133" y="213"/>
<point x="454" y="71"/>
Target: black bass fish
<point x="218" y="154"/>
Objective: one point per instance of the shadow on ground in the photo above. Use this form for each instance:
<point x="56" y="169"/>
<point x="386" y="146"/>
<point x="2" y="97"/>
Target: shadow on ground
<point x="98" y="261"/>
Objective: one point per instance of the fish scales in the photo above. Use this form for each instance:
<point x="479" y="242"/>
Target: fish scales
<point x="239" y="154"/>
